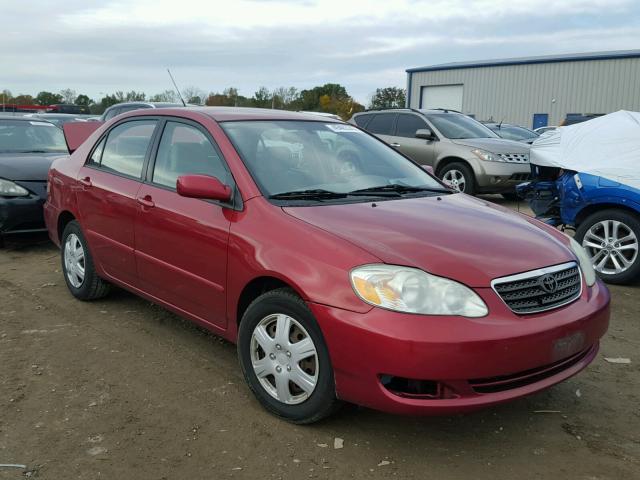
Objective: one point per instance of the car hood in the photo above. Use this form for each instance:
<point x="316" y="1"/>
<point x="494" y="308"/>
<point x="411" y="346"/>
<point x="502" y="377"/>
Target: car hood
<point x="455" y="236"/>
<point x="495" y="145"/>
<point x="26" y="166"/>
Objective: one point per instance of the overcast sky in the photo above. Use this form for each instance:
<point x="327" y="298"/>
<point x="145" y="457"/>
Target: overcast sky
<point x="95" y="46"/>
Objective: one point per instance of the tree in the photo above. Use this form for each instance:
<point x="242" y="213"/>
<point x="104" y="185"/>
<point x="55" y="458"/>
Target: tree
<point x="68" y="95"/>
<point x="388" y="97"/>
<point x="194" y="95"/>
<point x="23" y="100"/>
<point x="166" y="96"/>
<point x="83" y="100"/>
<point x="262" y="98"/>
<point x="284" y="97"/>
<point x="134" y="96"/>
<point x="47" y="98"/>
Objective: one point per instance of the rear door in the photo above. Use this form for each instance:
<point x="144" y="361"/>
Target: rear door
<point x="110" y="180"/>
<point x="181" y="243"/>
<point x="381" y="125"/>
<point x="404" y="139"/>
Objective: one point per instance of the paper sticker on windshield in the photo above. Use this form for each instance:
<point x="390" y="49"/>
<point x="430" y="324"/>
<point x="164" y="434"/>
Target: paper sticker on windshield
<point x="42" y="124"/>
<point x="340" y="128"/>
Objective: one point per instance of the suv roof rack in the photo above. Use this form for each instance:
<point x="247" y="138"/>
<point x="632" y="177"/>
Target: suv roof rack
<point x="446" y="110"/>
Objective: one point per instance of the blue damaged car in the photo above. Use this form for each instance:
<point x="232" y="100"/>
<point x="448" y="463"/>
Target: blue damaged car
<point x="587" y="177"/>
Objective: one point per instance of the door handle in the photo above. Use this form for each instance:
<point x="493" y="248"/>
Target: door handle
<point x="86" y="181"/>
<point x="394" y="145"/>
<point x="146" y="201"/>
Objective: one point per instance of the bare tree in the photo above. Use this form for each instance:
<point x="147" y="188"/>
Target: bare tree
<point x="68" y="95"/>
<point x="193" y="94"/>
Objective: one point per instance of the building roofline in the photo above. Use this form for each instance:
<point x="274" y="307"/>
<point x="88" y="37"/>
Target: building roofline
<point x="573" y="57"/>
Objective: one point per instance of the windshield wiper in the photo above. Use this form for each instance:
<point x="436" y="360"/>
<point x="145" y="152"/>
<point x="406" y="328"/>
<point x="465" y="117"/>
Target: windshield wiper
<point x="398" y="189"/>
<point x="313" y="194"/>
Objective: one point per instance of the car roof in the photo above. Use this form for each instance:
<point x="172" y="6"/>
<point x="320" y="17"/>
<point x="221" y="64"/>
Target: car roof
<point x="22" y="118"/>
<point x="430" y="111"/>
<point x="223" y="114"/>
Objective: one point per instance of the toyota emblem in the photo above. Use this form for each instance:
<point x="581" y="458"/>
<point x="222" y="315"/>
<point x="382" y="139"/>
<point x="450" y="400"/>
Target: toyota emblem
<point x="548" y="283"/>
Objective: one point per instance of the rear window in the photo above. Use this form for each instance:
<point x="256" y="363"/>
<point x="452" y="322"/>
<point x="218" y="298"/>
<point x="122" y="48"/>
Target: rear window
<point x="33" y="136"/>
<point x="382" y="124"/>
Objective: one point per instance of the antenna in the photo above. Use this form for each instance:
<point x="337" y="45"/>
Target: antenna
<point x="177" y="89"/>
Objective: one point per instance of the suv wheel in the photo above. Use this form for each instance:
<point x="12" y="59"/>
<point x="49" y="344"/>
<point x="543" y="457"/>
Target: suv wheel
<point x="459" y="177"/>
<point x="284" y="358"/>
<point x="611" y="238"/>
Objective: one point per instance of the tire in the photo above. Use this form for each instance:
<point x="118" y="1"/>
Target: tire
<point x="263" y="317"/>
<point x="511" y="196"/>
<point x="612" y="253"/>
<point x="458" y="171"/>
<point x="83" y="284"/>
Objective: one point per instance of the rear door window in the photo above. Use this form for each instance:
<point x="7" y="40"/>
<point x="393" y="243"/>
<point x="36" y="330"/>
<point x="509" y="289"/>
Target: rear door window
<point x="126" y="147"/>
<point x="362" y="120"/>
<point x="185" y="149"/>
<point x="382" y="124"/>
<point x="407" y="125"/>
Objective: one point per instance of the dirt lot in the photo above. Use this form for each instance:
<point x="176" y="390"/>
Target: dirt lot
<point x="121" y="388"/>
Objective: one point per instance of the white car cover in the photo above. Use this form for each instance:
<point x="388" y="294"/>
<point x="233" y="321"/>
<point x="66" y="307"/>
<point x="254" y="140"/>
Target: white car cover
<point x="607" y="146"/>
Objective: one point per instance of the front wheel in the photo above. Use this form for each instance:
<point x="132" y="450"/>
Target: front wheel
<point x="610" y="237"/>
<point x="459" y="177"/>
<point x="284" y="358"/>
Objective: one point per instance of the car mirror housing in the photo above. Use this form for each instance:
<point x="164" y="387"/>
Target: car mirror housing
<point x="203" y="186"/>
<point x="425" y="133"/>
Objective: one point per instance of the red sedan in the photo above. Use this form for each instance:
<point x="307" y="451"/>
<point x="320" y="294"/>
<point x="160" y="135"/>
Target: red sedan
<point x="342" y="270"/>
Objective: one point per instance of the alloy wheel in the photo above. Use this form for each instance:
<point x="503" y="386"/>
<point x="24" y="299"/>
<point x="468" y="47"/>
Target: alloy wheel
<point x="612" y="246"/>
<point x="74" y="260"/>
<point x="284" y="359"/>
<point x="455" y="179"/>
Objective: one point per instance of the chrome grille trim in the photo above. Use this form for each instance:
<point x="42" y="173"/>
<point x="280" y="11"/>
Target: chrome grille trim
<point x="529" y="280"/>
<point x="515" y="157"/>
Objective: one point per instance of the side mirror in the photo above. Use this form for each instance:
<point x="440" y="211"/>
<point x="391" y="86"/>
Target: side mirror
<point x="425" y="133"/>
<point x="203" y="186"/>
<point x="428" y="169"/>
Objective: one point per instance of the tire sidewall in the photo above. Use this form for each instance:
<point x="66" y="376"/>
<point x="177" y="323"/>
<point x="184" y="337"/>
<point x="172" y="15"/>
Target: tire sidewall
<point x="630" y="220"/>
<point x="84" y="290"/>
<point x="324" y="393"/>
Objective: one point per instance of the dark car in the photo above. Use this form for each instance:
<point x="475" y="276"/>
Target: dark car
<point x="513" y="132"/>
<point x="119" y="108"/>
<point x="27" y="148"/>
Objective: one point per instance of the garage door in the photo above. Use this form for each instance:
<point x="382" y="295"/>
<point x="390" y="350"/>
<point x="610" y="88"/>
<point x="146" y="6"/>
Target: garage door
<point x="442" y="96"/>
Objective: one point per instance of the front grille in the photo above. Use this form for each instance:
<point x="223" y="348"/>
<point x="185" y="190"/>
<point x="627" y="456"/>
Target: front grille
<point x="519" y="176"/>
<point x="540" y="290"/>
<point x="522" y="379"/>
<point x="515" y="157"/>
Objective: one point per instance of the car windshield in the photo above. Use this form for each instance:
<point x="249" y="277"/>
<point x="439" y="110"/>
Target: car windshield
<point x="457" y="126"/>
<point x="317" y="160"/>
<point x="513" y="132"/>
<point x="20" y="136"/>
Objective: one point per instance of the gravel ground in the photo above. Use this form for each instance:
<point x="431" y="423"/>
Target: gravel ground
<point x="121" y="388"/>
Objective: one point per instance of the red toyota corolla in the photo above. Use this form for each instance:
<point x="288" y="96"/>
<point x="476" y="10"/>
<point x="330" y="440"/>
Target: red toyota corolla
<point x="342" y="270"/>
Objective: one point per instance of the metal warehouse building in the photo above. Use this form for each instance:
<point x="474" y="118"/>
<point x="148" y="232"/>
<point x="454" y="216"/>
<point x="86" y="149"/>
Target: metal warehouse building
<point x="532" y="91"/>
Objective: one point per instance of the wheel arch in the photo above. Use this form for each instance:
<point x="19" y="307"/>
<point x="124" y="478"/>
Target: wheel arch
<point x="63" y="219"/>
<point x="258" y="286"/>
<point x="443" y="162"/>
<point x="589" y="210"/>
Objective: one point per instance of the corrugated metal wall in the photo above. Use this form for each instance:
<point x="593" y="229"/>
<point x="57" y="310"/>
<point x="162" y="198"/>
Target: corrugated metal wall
<point x="515" y="92"/>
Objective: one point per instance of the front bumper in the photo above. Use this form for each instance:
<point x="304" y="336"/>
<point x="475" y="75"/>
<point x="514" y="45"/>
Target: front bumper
<point x="24" y="214"/>
<point x="475" y="362"/>
<point x="500" y="176"/>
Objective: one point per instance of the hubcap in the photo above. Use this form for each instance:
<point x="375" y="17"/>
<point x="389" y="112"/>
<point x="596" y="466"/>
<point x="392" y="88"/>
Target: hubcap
<point x="455" y="179"/>
<point x="284" y="358"/>
<point x="74" y="260"/>
<point x="612" y="246"/>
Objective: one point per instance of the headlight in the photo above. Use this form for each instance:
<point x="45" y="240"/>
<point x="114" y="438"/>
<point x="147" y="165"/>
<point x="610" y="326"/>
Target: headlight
<point x="10" y="189"/>
<point x="487" y="156"/>
<point x="410" y="290"/>
<point x="585" y="262"/>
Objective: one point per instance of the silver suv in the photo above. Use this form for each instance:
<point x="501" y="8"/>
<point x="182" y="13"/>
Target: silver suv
<point x="463" y="153"/>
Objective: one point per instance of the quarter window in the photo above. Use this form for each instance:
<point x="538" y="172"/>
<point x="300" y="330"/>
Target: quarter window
<point x="183" y="150"/>
<point x="408" y="124"/>
<point x="381" y="124"/>
<point x="126" y="147"/>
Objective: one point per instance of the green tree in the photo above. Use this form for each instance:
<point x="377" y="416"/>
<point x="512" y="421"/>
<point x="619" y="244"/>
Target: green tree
<point x="262" y="98"/>
<point x="134" y="96"/>
<point x="23" y="100"/>
<point x="388" y="97"/>
<point x="47" y="98"/>
<point x="83" y="100"/>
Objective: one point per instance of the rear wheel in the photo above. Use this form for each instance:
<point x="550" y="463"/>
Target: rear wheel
<point x="611" y="238"/>
<point x="77" y="265"/>
<point x="459" y="177"/>
<point x="284" y="358"/>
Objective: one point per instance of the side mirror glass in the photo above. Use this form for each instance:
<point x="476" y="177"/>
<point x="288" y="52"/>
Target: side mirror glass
<point x="428" y="169"/>
<point x="203" y="186"/>
<point x="425" y="133"/>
